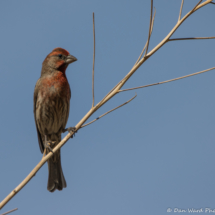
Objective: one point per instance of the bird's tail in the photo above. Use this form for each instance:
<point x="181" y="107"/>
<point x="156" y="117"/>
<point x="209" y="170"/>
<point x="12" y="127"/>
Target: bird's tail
<point x="56" y="178"/>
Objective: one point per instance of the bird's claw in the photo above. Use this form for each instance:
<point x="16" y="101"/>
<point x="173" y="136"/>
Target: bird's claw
<point x="70" y="130"/>
<point x="47" y="146"/>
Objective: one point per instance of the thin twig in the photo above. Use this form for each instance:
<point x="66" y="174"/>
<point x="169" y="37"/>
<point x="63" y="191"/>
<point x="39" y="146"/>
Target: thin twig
<point x="197" y="5"/>
<point x="179" y="18"/>
<point x="191" y="38"/>
<point x="94" y="48"/>
<point x="150" y="35"/>
<point x="141" y="54"/>
<point x="9" y="211"/>
<point x="150" y="24"/>
<point x="212" y="2"/>
<point x="108" y="112"/>
<point x="186" y="76"/>
<point x="153" y="18"/>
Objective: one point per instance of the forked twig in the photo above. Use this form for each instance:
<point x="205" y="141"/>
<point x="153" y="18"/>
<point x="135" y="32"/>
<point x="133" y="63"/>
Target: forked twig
<point x="9" y="211"/>
<point x="141" y="54"/>
<point x="197" y="5"/>
<point x="179" y="18"/>
<point x="111" y="94"/>
<point x="108" y="112"/>
<point x="94" y="50"/>
<point x="174" y="79"/>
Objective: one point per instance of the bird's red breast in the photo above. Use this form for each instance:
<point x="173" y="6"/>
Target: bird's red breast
<point x="56" y="85"/>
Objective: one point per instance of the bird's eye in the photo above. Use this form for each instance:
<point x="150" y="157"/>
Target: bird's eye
<point x="60" y="56"/>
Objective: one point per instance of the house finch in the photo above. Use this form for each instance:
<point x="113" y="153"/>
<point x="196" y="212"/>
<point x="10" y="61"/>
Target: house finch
<point x="51" y="110"/>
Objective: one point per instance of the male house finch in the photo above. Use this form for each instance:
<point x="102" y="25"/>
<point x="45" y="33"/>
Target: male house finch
<point x="51" y="110"/>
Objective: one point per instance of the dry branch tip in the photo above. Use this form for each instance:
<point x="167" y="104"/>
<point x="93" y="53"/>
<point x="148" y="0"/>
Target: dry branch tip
<point x="10" y="211"/>
<point x="191" y="38"/>
<point x="94" y="44"/>
<point x="150" y="25"/>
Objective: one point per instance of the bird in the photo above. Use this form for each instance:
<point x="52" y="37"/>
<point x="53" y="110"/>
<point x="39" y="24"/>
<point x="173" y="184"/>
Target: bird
<point x="51" y="111"/>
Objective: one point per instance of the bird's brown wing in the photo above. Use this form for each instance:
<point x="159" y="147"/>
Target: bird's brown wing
<point x="67" y="110"/>
<point x="40" y="141"/>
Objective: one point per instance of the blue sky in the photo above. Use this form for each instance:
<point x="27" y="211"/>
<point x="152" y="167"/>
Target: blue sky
<point x="157" y="152"/>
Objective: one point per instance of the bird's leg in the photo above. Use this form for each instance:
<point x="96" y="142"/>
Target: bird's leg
<point x="70" y="130"/>
<point x="47" y="144"/>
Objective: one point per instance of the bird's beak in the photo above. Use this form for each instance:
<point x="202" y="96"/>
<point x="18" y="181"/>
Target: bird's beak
<point x="70" y="59"/>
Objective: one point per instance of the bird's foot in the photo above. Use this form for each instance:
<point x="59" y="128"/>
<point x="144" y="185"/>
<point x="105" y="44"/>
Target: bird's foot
<point x="47" y="146"/>
<point x="70" y="130"/>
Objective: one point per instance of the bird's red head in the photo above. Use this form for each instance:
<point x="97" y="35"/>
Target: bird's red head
<point x="58" y="59"/>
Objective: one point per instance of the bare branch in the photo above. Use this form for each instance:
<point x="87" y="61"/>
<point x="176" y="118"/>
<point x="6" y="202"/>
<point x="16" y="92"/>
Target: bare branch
<point x="93" y="109"/>
<point x="191" y="38"/>
<point x="108" y="112"/>
<point x="9" y="211"/>
<point x="179" y="18"/>
<point x="175" y="79"/>
<point x="212" y="2"/>
<point x="147" y="41"/>
<point x="94" y="48"/>
<point x="150" y="24"/>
